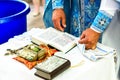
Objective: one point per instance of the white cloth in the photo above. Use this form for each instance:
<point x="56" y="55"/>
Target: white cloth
<point x="111" y="36"/>
<point x="83" y="69"/>
<point x="109" y="6"/>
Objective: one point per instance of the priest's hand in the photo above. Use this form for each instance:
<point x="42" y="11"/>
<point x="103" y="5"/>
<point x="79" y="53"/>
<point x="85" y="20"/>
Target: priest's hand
<point x="59" y="19"/>
<point x="90" y="38"/>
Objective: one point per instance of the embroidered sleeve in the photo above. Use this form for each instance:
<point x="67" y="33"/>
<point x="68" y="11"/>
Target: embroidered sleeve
<point x="57" y="4"/>
<point x="101" y="21"/>
<point x="104" y="16"/>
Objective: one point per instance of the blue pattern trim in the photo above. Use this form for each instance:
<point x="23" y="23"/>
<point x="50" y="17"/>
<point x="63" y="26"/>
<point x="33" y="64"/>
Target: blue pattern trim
<point x="57" y="4"/>
<point x="101" y="21"/>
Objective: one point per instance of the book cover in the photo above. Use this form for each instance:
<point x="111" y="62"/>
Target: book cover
<point x="53" y="66"/>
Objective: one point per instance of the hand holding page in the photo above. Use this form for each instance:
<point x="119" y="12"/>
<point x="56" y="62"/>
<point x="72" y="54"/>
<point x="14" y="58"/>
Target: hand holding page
<point x="57" y="39"/>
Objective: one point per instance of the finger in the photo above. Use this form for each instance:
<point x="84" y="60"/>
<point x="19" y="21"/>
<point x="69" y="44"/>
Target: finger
<point x="63" y="22"/>
<point x="87" y="46"/>
<point x="84" y="41"/>
<point x="93" y="47"/>
<point x="57" y="25"/>
<point x="90" y="46"/>
<point x="82" y="36"/>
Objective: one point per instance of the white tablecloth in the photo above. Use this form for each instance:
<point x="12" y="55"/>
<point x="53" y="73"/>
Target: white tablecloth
<point x="84" y="69"/>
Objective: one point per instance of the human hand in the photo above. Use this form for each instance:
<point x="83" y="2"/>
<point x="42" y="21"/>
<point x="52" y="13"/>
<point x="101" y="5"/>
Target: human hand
<point x="59" y="19"/>
<point x="90" y="38"/>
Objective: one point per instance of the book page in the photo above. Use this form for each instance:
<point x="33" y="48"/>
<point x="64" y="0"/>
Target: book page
<point x="57" y="39"/>
<point x="63" y="40"/>
<point x="49" y="34"/>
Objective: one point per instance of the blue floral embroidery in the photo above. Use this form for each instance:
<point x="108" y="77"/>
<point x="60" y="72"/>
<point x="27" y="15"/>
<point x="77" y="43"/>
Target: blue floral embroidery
<point x="91" y="6"/>
<point x="75" y="21"/>
<point x="91" y="10"/>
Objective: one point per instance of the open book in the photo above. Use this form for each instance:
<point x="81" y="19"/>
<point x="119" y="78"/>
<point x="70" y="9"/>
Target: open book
<point x="57" y="39"/>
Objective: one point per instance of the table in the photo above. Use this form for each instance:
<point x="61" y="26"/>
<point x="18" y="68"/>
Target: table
<point x="83" y="69"/>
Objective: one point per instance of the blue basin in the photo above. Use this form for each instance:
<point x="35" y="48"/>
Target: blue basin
<point x="13" y="18"/>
